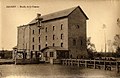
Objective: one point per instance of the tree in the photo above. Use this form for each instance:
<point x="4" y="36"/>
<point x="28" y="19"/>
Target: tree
<point x="118" y="52"/>
<point x="90" y="45"/>
<point x="90" y="48"/>
<point x="118" y="22"/>
<point x="110" y="46"/>
<point x="116" y="42"/>
<point x="117" y="36"/>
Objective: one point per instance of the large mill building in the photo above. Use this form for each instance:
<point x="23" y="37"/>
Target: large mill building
<point x="63" y="31"/>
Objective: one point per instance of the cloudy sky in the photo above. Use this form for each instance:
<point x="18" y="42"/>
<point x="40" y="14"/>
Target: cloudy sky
<point x="99" y="12"/>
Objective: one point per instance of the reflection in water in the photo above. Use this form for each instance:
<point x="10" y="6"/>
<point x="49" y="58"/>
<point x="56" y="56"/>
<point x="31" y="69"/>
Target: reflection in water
<point x="52" y="71"/>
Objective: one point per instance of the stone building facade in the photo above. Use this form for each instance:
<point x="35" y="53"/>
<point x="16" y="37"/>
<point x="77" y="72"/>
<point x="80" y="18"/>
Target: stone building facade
<point x="66" y="28"/>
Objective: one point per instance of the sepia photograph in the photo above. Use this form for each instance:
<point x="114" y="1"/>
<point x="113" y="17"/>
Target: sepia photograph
<point x="59" y="38"/>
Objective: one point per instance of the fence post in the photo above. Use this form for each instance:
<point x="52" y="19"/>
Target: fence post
<point x="78" y="62"/>
<point x="86" y="63"/>
<point x="104" y="65"/>
<point x="94" y="64"/>
<point x="117" y="67"/>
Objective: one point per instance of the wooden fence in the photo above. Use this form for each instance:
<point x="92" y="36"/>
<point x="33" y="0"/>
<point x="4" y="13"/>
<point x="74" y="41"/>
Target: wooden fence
<point x="96" y="64"/>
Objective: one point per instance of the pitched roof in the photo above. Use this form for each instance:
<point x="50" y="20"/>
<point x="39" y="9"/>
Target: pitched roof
<point x="55" y="48"/>
<point x="15" y="47"/>
<point x="59" y="14"/>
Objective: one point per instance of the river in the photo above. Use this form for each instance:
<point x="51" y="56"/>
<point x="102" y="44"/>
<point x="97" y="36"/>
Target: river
<point x="53" y="71"/>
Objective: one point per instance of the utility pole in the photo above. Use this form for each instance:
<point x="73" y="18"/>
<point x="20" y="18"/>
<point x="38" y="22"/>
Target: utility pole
<point x="104" y="27"/>
<point x="39" y="21"/>
<point x="39" y="25"/>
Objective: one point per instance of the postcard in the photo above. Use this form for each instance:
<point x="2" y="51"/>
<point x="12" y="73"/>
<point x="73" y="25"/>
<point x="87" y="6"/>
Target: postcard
<point x="59" y="39"/>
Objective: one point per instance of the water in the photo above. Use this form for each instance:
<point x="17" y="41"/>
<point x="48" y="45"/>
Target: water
<point x="53" y="71"/>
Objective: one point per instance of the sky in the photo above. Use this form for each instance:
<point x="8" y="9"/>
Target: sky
<point x="99" y="12"/>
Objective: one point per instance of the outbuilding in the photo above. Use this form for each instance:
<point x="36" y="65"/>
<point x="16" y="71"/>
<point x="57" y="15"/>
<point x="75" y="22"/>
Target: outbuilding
<point x="54" y="54"/>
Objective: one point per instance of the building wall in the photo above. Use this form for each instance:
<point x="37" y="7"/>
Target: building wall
<point x="77" y="34"/>
<point x="34" y="33"/>
<point x="57" y="31"/>
<point x="25" y="38"/>
<point x="22" y="37"/>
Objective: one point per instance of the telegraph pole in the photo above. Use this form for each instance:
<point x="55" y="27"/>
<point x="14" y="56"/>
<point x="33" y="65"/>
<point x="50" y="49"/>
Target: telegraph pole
<point x="104" y="27"/>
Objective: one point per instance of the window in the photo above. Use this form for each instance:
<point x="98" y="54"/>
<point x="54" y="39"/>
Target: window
<point x="78" y="26"/>
<point x="61" y="44"/>
<point x="45" y="54"/>
<point x="53" y="44"/>
<point x="46" y="29"/>
<point x="45" y="45"/>
<point x="74" y="42"/>
<point x="39" y="31"/>
<point x="32" y="47"/>
<point x="61" y="26"/>
<point x="53" y="28"/>
<point x="26" y="45"/>
<point x="33" y="39"/>
<point x="46" y="38"/>
<point x="33" y="32"/>
<point x="51" y="54"/>
<point x="61" y="36"/>
<point x="53" y="37"/>
<point x="39" y="39"/>
<point x="81" y="42"/>
<point x="39" y="47"/>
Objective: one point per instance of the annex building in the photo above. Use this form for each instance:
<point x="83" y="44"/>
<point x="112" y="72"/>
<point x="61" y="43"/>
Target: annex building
<point x="57" y="35"/>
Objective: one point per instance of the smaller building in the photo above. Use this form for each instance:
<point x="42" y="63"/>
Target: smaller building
<point x="5" y="54"/>
<point x="21" y="57"/>
<point x="53" y="54"/>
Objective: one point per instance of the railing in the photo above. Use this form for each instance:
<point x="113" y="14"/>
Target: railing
<point x="96" y="64"/>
